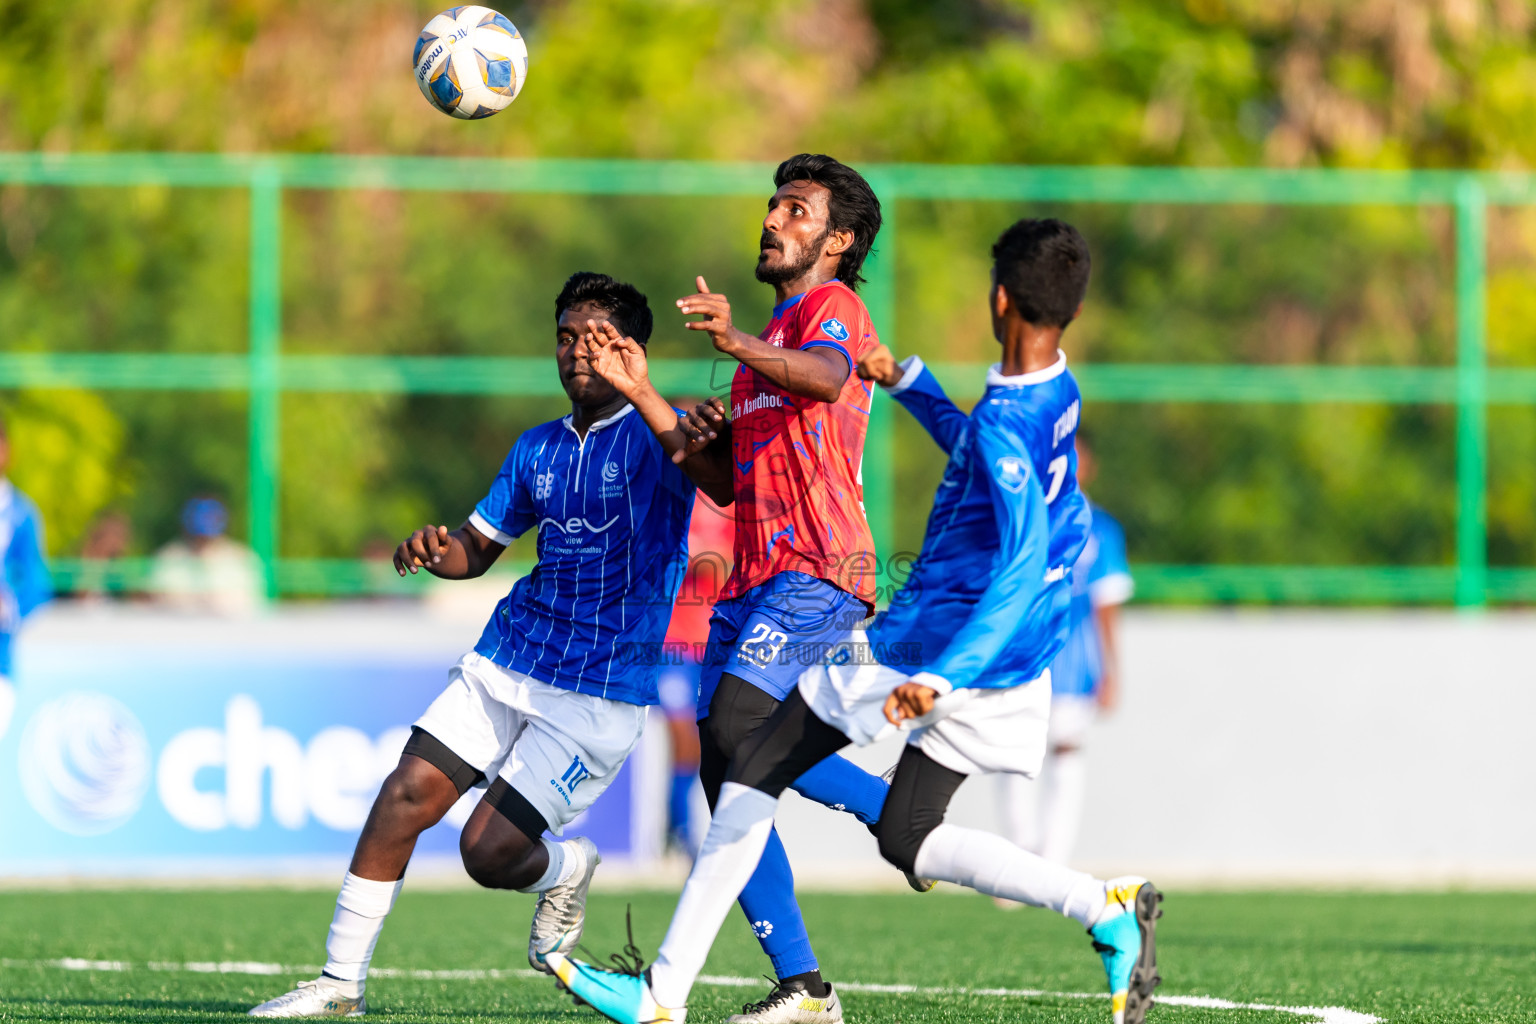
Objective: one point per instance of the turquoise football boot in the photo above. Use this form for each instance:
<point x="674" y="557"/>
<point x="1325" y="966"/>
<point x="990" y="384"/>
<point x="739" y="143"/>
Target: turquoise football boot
<point x="1123" y="938"/>
<point x="619" y="996"/>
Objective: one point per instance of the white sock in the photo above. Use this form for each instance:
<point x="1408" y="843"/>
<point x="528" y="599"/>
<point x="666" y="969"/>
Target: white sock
<point x="361" y="908"/>
<point x="564" y="860"/>
<point x="1066" y="784"/>
<point x="1018" y="809"/>
<point x="991" y="864"/>
<point x="732" y="847"/>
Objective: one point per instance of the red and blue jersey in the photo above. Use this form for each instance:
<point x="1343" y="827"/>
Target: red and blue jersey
<point x="798" y="480"/>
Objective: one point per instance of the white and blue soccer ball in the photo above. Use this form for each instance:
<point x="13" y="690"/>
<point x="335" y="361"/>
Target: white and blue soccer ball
<point x="470" y="62"/>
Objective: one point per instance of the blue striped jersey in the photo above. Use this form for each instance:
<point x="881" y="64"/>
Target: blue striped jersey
<point x="612" y="516"/>
<point x="1102" y="576"/>
<point x="986" y="603"/>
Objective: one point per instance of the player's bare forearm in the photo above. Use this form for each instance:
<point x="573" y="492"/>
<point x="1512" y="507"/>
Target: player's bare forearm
<point x="461" y="554"/>
<point x="1107" y="618"/>
<point x="816" y="373"/>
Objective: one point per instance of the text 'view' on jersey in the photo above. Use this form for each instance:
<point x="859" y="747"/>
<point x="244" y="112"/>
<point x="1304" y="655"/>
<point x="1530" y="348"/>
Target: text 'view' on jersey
<point x="612" y="514"/>
<point x="798" y="476"/>
<point x="988" y="599"/>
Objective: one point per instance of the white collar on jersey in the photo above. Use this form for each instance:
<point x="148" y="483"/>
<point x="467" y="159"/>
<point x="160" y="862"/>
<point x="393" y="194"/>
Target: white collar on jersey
<point x="996" y="379"/>
<point x="600" y="424"/>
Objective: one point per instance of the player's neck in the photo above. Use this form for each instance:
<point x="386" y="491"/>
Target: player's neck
<point x="583" y="416"/>
<point x="812" y="278"/>
<point x="1029" y="349"/>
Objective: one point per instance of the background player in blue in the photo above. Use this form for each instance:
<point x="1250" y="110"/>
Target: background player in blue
<point x="24" y="583"/>
<point x="960" y="661"/>
<point x="1043" y="816"/>
<point x="554" y="696"/>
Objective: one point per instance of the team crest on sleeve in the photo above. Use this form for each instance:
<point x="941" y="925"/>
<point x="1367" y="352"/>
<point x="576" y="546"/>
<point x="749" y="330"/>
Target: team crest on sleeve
<point x="834" y="329"/>
<point x="1012" y="472"/>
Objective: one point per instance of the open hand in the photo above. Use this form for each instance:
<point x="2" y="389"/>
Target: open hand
<point x="700" y="427"/>
<point x="424" y="548"/>
<point x="716" y="310"/>
<point x="909" y="700"/>
<point x="880" y="366"/>
<point x="617" y="359"/>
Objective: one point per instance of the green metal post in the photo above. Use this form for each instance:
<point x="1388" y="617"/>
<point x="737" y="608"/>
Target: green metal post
<point x="266" y="313"/>
<point x="1471" y="394"/>
<point x="879" y="447"/>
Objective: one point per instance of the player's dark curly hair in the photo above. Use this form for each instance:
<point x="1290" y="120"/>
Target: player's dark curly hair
<point x="1043" y="266"/>
<point x="852" y="206"/>
<point x="625" y="304"/>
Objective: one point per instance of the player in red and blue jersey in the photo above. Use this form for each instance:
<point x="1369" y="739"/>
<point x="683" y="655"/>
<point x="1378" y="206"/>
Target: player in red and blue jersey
<point x="804" y="558"/>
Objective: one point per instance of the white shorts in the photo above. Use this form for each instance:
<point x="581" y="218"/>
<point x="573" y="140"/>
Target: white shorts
<point x="968" y="731"/>
<point x="560" y="749"/>
<point x="1071" y="716"/>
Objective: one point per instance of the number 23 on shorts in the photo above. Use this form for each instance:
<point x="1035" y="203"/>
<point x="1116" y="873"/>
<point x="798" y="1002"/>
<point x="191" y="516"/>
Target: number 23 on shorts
<point x="763" y="645"/>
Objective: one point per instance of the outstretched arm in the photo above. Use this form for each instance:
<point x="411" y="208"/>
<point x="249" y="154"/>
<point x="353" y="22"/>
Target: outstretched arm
<point x="816" y="373"/>
<point x="699" y="443"/>
<point x="919" y="392"/>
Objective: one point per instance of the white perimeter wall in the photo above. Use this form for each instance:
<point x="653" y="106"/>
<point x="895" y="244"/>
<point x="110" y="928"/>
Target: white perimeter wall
<point x="1252" y="746"/>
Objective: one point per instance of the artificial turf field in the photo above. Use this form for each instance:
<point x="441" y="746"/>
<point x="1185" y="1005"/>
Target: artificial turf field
<point x="1412" y="958"/>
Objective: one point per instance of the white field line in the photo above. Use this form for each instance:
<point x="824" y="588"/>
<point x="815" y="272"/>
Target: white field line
<point x="1322" y="1014"/>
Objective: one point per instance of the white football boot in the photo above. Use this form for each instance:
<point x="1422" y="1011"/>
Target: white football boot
<point x="791" y="1004"/>
<point x="323" y="997"/>
<point x="562" y="911"/>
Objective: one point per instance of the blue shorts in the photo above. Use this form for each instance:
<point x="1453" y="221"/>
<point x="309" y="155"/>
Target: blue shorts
<point x="774" y="632"/>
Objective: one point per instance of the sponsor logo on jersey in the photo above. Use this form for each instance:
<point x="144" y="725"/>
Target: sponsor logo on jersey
<point x="613" y="481"/>
<point x="760" y="402"/>
<point x="543" y="485"/>
<point x="1012" y="473"/>
<point x="834" y="329"/>
<point x="576" y="525"/>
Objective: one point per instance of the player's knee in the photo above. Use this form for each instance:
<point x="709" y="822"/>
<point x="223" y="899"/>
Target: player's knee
<point x="899" y="842"/>
<point x="412" y="790"/>
<point x="497" y="865"/>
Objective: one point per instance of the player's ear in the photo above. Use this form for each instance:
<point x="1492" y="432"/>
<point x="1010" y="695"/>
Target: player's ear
<point x="838" y="242"/>
<point x="1000" y="303"/>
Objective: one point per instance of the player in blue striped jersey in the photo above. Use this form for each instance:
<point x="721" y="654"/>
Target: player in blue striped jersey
<point x="554" y="696"/>
<point x="960" y="661"/>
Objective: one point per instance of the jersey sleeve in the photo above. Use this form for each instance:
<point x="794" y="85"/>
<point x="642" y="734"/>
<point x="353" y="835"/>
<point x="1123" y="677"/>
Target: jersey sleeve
<point x="833" y="318"/>
<point x="507" y="512"/>
<point x="1109" y="578"/>
<point x="920" y="393"/>
<point x="672" y="476"/>
<point x="1018" y="570"/>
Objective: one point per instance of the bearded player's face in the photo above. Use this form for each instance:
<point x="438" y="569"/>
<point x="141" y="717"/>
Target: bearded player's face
<point x="795" y="232"/>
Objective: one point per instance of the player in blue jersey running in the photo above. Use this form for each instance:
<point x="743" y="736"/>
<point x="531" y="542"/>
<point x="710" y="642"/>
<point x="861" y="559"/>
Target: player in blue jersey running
<point x="24" y="582"/>
<point x="959" y="662"/>
<point x="554" y="696"/>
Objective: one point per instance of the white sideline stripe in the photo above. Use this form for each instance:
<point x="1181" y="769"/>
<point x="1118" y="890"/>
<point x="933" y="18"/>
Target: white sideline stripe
<point x="1323" y="1014"/>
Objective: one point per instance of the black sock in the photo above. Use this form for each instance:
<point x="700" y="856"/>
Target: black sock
<point x="812" y="982"/>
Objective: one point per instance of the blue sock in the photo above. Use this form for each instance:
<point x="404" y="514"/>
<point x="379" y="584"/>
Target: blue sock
<point x="769" y="903"/>
<point x="840" y="784"/>
<point x="677" y="800"/>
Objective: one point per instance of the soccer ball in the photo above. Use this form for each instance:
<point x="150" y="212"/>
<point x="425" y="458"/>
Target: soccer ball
<point x="470" y="62"/>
